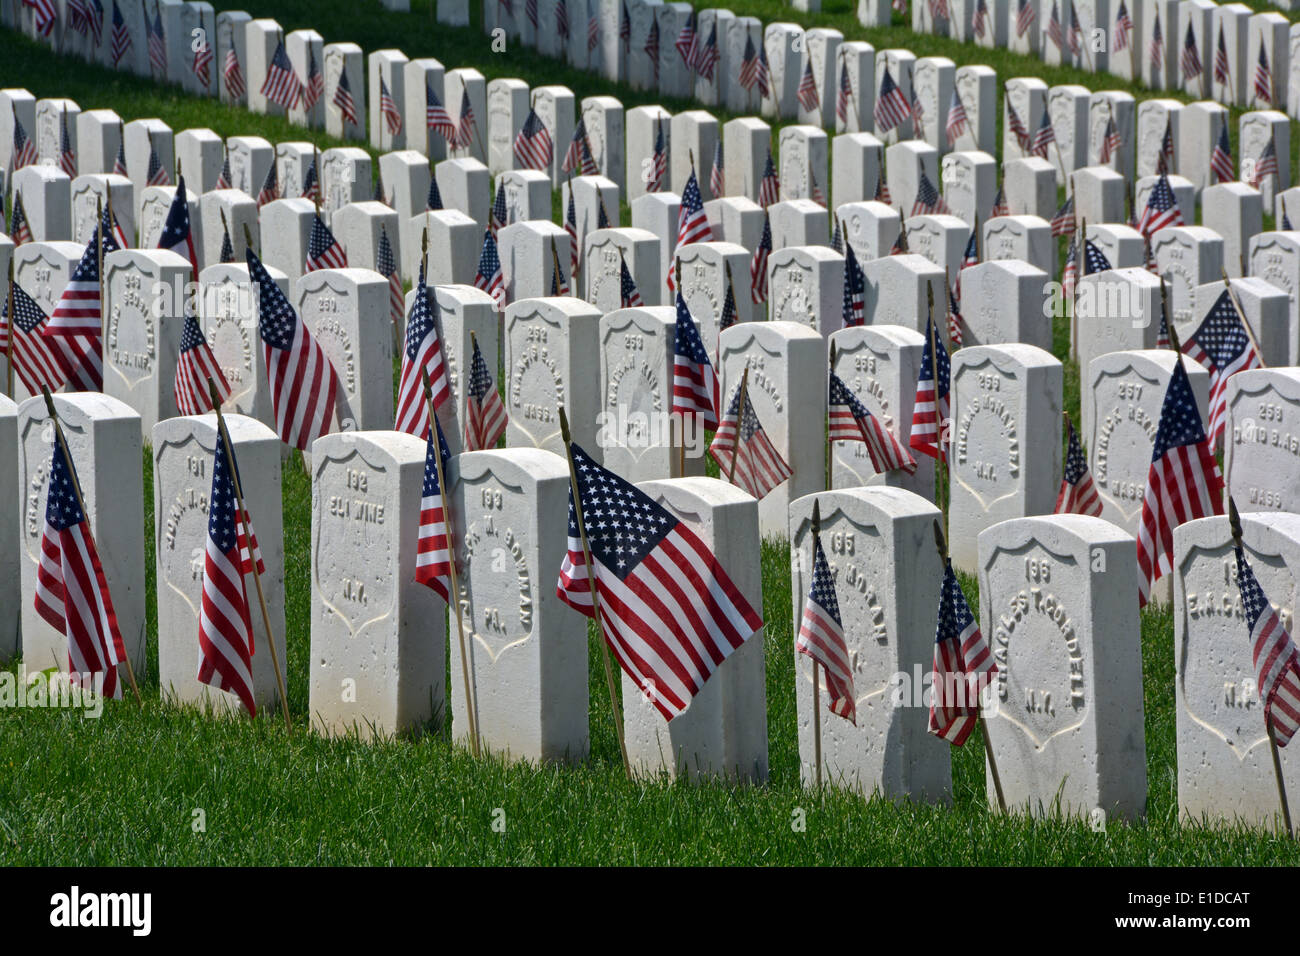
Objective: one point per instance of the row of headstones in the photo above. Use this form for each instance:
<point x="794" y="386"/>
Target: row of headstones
<point x="1067" y="715"/>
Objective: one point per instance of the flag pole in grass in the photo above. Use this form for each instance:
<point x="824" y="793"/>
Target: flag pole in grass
<point x="830" y="445"/>
<point x="62" y="443"/>
<point x="740" y="417"/>
<point x="817" y="677"/>
<point x="941" y="542"/>
<point x="248" y="536"/>
<point x="9" y="334"/>
<point x="942" y="456"/>
<point x="99" y="261"/>
<point x="681" y="448"/>
<point x="1241" y="315"/>
<point x="615" y="711"/>
<point x="1234" y="523"/>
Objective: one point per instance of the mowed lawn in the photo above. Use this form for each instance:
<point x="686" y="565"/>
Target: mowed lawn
<point x="133" y="786"/>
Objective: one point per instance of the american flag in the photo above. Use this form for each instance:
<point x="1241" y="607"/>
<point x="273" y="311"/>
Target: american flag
<point x="821" y="637"/>
<point x="227" y="247"/>
<point x="577" y="157"/>
<point x="121" y="36"/>
<point x="956" y="124"/>
<point x="177" y="235"/>
<point x="1025" y="16"/>
<point x="1156" y="49"/>
<point x="78" y="16"/>
<point x="302" y="381"/>
<point x="652" y="48"/>
<point x="1224" y="346"/>
<point x="807" y="92"/>
<point x="72" y="593"/>
<point x="891" y="105"/>
<point x="311" y="184"/>
<point x="1277" y="664"/>
<point x="955" y="334"/>
<point x="629" y="295"/>
<point x="1078" y="494"/>
<point x="758" y="466"/>
<point x="421" y="355"/>
<point x="931" y="412"/>
<point x="1054" y="28"/>
<point x="1123" y="28"/>
<point x="659" y="162"/>
<point x="157" y="43"/>
<point x="24" y="151"/>
<point x="270" y="190"/>
<point x="928" y="201"/>
<point x="281" y="84"/>
<point x="769" y="187"/>
<point x="559" y="284"/>
<point x="749" y="65"/>
<point x="1017" y="127"/>
<point x="695" y="384"/>
<point x="195" y="366"/>
<point x="758" y="264"/>
<point x="852" y="306"/>
<point x="533" y="147"/>
<point x="67" y="155"/>
<point x="571" y="227"/>
<point x="1094" y="260"/>
<point x="386" y="265"/>
<point x="497" y="215"/>
<point x="593" y="28"/>
<point x="485" y="414"/>
<point x="938" y="9"/>
<point x="882" y="190"/>
<point x="1263" y="77"/>
<point x="323" y="250"/>
<point x="1162" y="334"/>
<point x="728" y="316"/>
<point x="1110" y="143"/>
<point x="1165" y="158"/>
<point x="1190" y="61"/>
<point x="234" y="76"/>
<point x="433" y="556"/>
<point x="899" y="248"/>
<point x="1044" y="136"/>
<point x="1000" y="207"/>
<point x="1161" y="209"/>
<point x="79" y="309"/>
<point x="20" y="229"/>
<point x="489" y="277"/>
<point x="918" y="114"/>
<point x="1221" y="59"/>
<point x="433" y="202"/>
<point x="202" y="66"/>
<point x="225" y="630"/>
<point x="602" y="216"/>
<point x="436" y="116"/>
<point x="669" y="611"/>
<point x="717" y="179"/>
<point x="624" y="27"/>
<point x="963" y="665"/>
<point x="157" y="174"/>
<point x="342" y="98"/>
<point x="692" y="224"/>
<point x="95" y="18"/>
<point x="530" y="11"/>
<point x="388" y="110"/>
<point x="1075" y="36"/>
<point x="849" y="420"/>
<point x="1265" y="166"/>
<point x="314" y="88"/>
<point x="685" y="41"/>
<point x="899" y="5"/>
<point x="37" y="359"/>
<point x="1183" y="482"/>
<point x="818" y="196"/>
<point x="1070" y="272"/>
<point x="562" y="20"/>
<point x="837" y="239"/>
<point x="225" y="179"/>
<point x="706" y="56"/>
<point x="979" y="19"/>
<point x="843" y="95"/>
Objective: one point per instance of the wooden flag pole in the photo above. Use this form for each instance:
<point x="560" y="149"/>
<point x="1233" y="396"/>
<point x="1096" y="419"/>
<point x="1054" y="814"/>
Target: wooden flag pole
<point x="1241" y="315"/>
<point x="99" y="261"/>
<point x="830" y="445"/>
<point x="248" y="536"/>
<point x="615" y="710"/>
<point x="740" y="416"/>
<point x="555" y="267"/>
<point x="225" y="228"/>
<point x="1169" y="322"/>
<point x="934" y="377"/>
<point x="62" y="443"/>
<point x="1234" y="523"/>
<point x="817" y="677"/>
<point x="471" y="700"/>
<point x="9" y="335"/>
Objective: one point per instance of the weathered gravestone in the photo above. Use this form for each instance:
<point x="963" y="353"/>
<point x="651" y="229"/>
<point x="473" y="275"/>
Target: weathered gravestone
<point x="1275" y="258"/>
<point x="806" y="286"/>
<point x="228" y="314"/>
<point x="1260" y="462"/>
<point x="1005" y="302"/>
<point x="1116" y="311"/>
<point x="47" y="200"/>
<point x="10" y="555"/>
<point x="637" y="436"/>
<point x="706" y="268"/>
<point x="1187" y="257"/>
<point x="1265" y="308"/>
<point x="607" y="252"/>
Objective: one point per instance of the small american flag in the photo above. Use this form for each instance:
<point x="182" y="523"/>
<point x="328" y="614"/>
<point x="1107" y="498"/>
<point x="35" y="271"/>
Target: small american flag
<point x="386" y="266"/>
<point x="593" y="28"/>
<point x="749" y="63"/>
<point x="717" y="178"/>
<point x="807" y="92"/>
<point x="302" y="381"/>
<point x="314" y="88"/>
<point x="533" y="146"/>
<point x="758" y="466"/>
<point x="652" y="49"/>
<point x="1277" y="664"/>
<point x="433" y="202"/>
<point x="1224" y="346"/>
<point x="928" y="201"/>
<point x="821" y="637"/>
<point x="121" y="36"/>
<point x="685" y="41"/>
<point x="67" y="155"/>
<point x="1156" y="49"/>
<point x="24" y="150"/>
<point x="433" y="556"/>
<point x="562" y="20"/>
<point x="1161" y="210"/>
<point x="227" y="247"/>
<point x="843" y="95"/>
<point x="388" y="110"/>
<point x="311" y="184"/>
<point x="1221" y="59"/>
<point x="938" y="9"/>
<point x="1026" y="14"/>
<point x="95" y="19"/>
<point x="852" y="306"/>
<point x="1078" y="494"/>
<point x="669" y="612"/>
<point x="882" y="190"/>
<point x="891" y="105"/>
<point x="489" y="277"/>
<point x="1044" y="136"/>
<point x="706" y="56"/>
<point x="72" y="593"/>
<point x="1263" y="78"/>
<point x="758" y="264"/>
<point x="36" y="358"/>
<point x="1190" y="61"/>
<point x="497" y="216"/>
<point x="1265" y="166"/>
<point x="629" y="295"/>
<point x="1123" y="28"/>
<point x="899" y="248"/>
<point x="624" y="27"/>
<point x="955" y="334"/>
<point x="281" y="84"/>
<point x="849" y="420"/>
<point x="1183" y="482"/>
<point x="837" y="238"/>
<point x="1000" y="207"/>
<point x="769" y="187"/>
<point x="659" y="162"/>
<point x="931" y="412"/>
<point x="728" y="316"/>
<point x="157" y="175"/>
<point x="1054" y="32"/>
<point x="270" y="190"/>
<point x="559" y="284"/>
<point x="20" y="229"/>
<point x="818" y="196"/>
<point x="323" y="250"/>
<point x="530" y="11"/>
<point x="1075" y="36"/>
<point x="1094" y="260"/>
<point x="79" y="309"/>
<point x="963" y="665"/>
<point x="1110" y="143"/>
<point x="979" y="19"/>
<point x="956" y="124"/>
<point x="1017" y="127"/>
<point x="578" y="156"/>
<point x="485" y="414"/>
<point x="195" y="366"/>
<point x="78" y="16"/>
<point x="436" y="116"/>
<point x="571" y="227"/>
<point x="177" y="235"/>
<point x="1162" y="334"/>
<point x="695" y="384"/>
<point x="225" y="179"/>
<point x="157" y="43"/>
<point x="918" y="114"/>
<point x="342" y="98"/>
<point x="421" y="356"/>
<point x="202" y="65"/>
<point x="692" y="224"/>
<point x="1165" y="158"/>
<point x="1070" y="273"/>
<point x="233" y="75"/>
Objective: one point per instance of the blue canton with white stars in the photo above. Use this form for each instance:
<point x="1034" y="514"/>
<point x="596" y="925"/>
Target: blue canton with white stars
<point x="61" y="509"/>
<point x="1076" y="466"/>
<point x="1180" y="422"/>
<point x="480" y="381"/>
<point x="623" y="524"/>
<point x="1094" y="259"/>
<point x="1253" y="601"/>
<point x="384" y="263"/>
<point x="277" y="321"/>
<point x="221" y="506"/>
<point x="321" y="239"/>
<point x="192" y="337"/>
<point x="1221" y="335"/>
<point x="823" y="585"/>
<point x="687" y="342"/>
<point x="420" y="322"/>
<point x="177" y="227"/>
<point x="27" y="314"/>
<point x="954" y="612"/>
<point x="840" y="395"/>
<point x="430" y="466"/>
<point x="747" y="424"/>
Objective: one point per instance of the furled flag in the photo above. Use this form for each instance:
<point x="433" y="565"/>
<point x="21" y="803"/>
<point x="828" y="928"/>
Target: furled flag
<point x="225" y="178"/>
<point x="1162" y="334"/>
<point x="194" y="367"/>
<point x="918" y="113"/>
<point x="928" y="201"/>
<point x="489" y="277"/>
<point x="571" y="227"/>
<point x="651" y="49"/>
<point x="1165" y="158"/>
<point x="499" y="213"/>
<point x="433" y="554"/>
<point x="593" y="28"/>
<point x="270" y="190"/>
<point x="1054" y="32"/>
<point x="1026" y="14"/>
<point x="685" y="41"/>
<point x="311" y="184"/>
<point x="323" y="250"/>
<point x="837" y="238"/>
<point x="695" y="384"/>
<point x="421" y="355"/>
<point x="436" y="116"/>
<point x="1161" y="209"/>
<point x="749" y="65"/>
<point x="342" y="98"/>
<point x="1000" y="207"/>
<point x="971" y="257"/>
<point x="955" y="334"/>
<point x="79" y="309"/>
<point x="579" y="155"/>
<point x="67" y="155"/>
<point x="659" y="161"/>
<point x="717" y="180"/>
<point x="1265" y="166"/>
<point x="843" y="95"/>
<point x="36" y="358"/>
<point x="931" y="411"/>
<point x="95" y="18"/>
<point x="1078" y="494"/>
<point x="121" y="36"/>
<point x="602" y="216"/>
<point x="727" y="318"/>
<point x="20" y="230"/>
<point x="227" y="247"/>
<point x="433" y="202"/>
<point x="882" y="190"/>
<point x="628" y="294"/>
<point x="706" y="56"/>
<point x="24" y="148"/>
<point x="821" y="638"/>
<point x="72" y="593"/>
<point x="939" y="10"/>
<point x="530" y="11"/>
<point x="388" y="109"/>
<point x="485" y="414"/>
<point x="668" y="610"/>
<point x="302" y="381"/>
<point x="956" y="124"/>
<point x="559" y="284"/>
<point x="1223" y="345"/>
<point x="202" y="65"/>
<point x="1221" y="59"/>
<point x="1183" y="482"/>
<point x="1075" y="37"/>
<point x="157" y="42"/>
<point x="78" y="16"/>
<point x="1018" y="129"/>
<point x="533" y="145"/>
<point x="744" y="452"/>
<point x="891" y="105"/>
<point x="1190" y="61"/>
<point x="1156" y="48"/>
<point x="1263" y="78"/>
<point x="386" y="266"/>
<point x="234" y="76"/>
<point x="807" y="92"/>
<point x="818" y="196"/>
<point x="314" y="88"/>
<point x="849" y="420"/>
<point x="769" y="187"/>
<point x="1123" y="28"/>
<point x="562" y="21"/>
<point x="177" y="236"/>
<point x="899" y="248"/>
<point x="1044" y="136"/>
<point x="963" y="665"/>
<point x="979" y="19"/>
<point x="1070" y="272"/>
<point x="1110" y="143"/>
<point x="281" y="84"/>
<point x="758" y="264"/>
<point x="1277" y="664"/>
<point x="852" y="307"/>
<point x="692" y="224"/>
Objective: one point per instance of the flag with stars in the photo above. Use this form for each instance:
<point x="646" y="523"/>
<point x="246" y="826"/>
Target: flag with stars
<point x="386" y="266"/>
<point x="433" y="202"/>
<point x="225" y="179"/>
<point x="533" y="146"/>
<point x="849" y="420"/>
<point x="465" y="129"/>
<point x="344" y="100"/>
<point x="121" y="36"/>
<point x="928" y="201"/>
<point x="1274" y="655"/>
<point x="392" y="116"/>
<point x="963" y="665"/>
<point x="1224" y="346"/>
<point x="843" y="95"/>
<point x="422" y="355"/>
<point x="1221" y="59"/>
<point x="499" y="213"/>
<point x="769" y="187"/>
<point x="669" y="612"/>
<point x="1110" y="143"/>
<point x="692" y="224"/>
<point x="485" y="413"/>
<point x="852" y="306"/>
<point x="891" y="107"/>
<point x="629" y="295"/>
<point x="79" y="310"/>
<point x="1026" y="15"/>
<point x="695" y="383"/>
<point x="311" y="184"/>
<point x="717" y="182"/>
<point x="24" y="148"/>
<point x="436" y="116"/>
<point x="579" y="156"/>
<point x="571" y="227"/>
<point x="749" y="65"/>
<point x="434" y="552"/>
<point x="1123" y="29"/>
<point x="882" y="190"/>
<point x="281" y="84"/>
<point x="177" y="236"/>
<point x="837" y="237"/>
<point x="758" y="466"/>
<point x="685" y="42"/>
<point x="807" y="91"/>
<point x="1190" y="61"/>
<point x="270" y="190"/>
<point x="1078" y="494"/>
<point x="1156" y="48"/>
<point x="231" y="73"/>
<point x="956" y="122"/>
<point x="323" y="250"/>
<point x="36" y="359"/>
<point x="1161" y="210"/>
<point x="821" y="637"/>
<point x="1221" y="158"/>
<point x="67" y="155"/>
<point x="489" y="277"/>
<point x="1000" y="207"/>
<point x="314" y="88"/>
<point x="758" y="264"/>
<point x="931" y="412"/>
<point x="1263" y="78"/>
<point x="1054" y="31"/>
<point x="706" y="55"/>
<point x="955" y="333"/>
<point x="157" y="174"/>
<point x="1044" y="136"/>
<point x="1165" y="158"/>
<point x="658" y="162"/>
<point x="157" y="42"/>
<point x="194" y="367"/>
<point x="1094" y="260"/>
<point x="1265" y="166"/>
